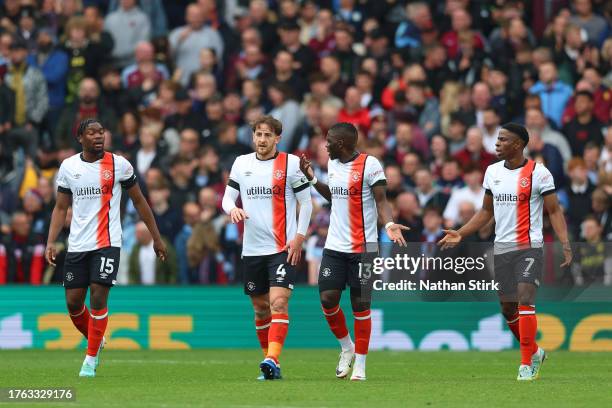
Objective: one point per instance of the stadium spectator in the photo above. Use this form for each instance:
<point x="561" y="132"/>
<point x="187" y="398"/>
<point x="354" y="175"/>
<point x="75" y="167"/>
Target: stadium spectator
<point x="191" y="215"/>
<point x="144" y="266"/>
<point x="593" y="263"/>
<point x="549" y="155"/>
<point x="144" y="69"/>
<point x="288" y="112"/>
<point x="167" y="218"/>
<point x="427" y="192"/>
<point x="303" y="57"/>
<point x="87" y="106"/>
<point x="187" y="41"/>
<point x="579" y="194"/>
<point x="594" y="25"/>
<point x="474" y="152"/>
<point x="472" y="193"/>
<point x="418" y="19"/>
<point x="31" y="99"/>
<point x="600" y="205"/>
<point x="553" y="93"/>
<point x="24" y="251"/>
<point x="128" y="25"/>
<point x="155" y="12"/>
<point x="584" y="127"/>
<point x="490" y="128"/>
<point x="536" y="122"/>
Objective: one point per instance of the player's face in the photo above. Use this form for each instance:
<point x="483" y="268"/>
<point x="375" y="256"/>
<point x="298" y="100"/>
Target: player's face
<point x="334" y="146"/>
<point x="507" y="144"/>
<point x="265" y="140"/>
<point x="93" y="138"/>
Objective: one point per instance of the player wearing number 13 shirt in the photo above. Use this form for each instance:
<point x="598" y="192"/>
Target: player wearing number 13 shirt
<point x="92" y="182"/>
<point x="270" y="184"/>
<point x="357" y="193"/>
<point x="517" y="190"/>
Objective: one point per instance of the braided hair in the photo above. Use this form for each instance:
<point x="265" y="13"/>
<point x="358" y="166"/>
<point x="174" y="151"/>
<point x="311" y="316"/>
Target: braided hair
<point x="84" y="124"/>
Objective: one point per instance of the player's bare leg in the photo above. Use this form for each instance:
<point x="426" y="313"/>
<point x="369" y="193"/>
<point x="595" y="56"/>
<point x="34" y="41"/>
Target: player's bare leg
<point x="79" y="314"/>
<point x="98" y="298"/>
<point x="360" y="304"/>
<point x="279" y="326"/>
<point x="330" y="302"/>
<point x="532" y="356"/>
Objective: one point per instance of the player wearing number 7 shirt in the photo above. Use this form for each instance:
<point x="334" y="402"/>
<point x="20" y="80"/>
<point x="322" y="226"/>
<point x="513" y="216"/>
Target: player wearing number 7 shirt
<point x="357" y="195"/>
<point x="269" y="184"/>
<point x="92" y="182"/>
<point x="517" y="189"/>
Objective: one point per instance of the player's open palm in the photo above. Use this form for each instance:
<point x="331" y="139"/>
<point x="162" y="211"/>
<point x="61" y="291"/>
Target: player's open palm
<point x="306" y="167"/>
<point x="451" y="239"/>
<point x="395" y="233"/>
<point x="237" y="215"/>
<point x="160" y="250"/>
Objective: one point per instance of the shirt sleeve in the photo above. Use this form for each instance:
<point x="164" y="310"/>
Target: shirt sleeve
<point x="62" y="180"/>
<point x="486" y="182"/>
<point x="374" y="173"/>
<point x="544" y="179"/>
<point x="297" y="180"/>
<point x="234" y="177"/>
<point x="126" y="174"/>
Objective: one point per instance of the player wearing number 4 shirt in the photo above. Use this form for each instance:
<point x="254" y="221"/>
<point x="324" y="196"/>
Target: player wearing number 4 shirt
<point x="270" y="184"/>
<point x="517" y="189"/>
<point x="92" y="182"/>
<point x="357" y="195"/>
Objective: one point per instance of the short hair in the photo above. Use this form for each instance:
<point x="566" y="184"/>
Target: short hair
<point x="272" y="123"/>
<point x="84" y="124"/>
<point x="575" y="162"/>
<point x="519" y="130"/>
<point x="345" y="131"/>
<point x="584" y="93"/>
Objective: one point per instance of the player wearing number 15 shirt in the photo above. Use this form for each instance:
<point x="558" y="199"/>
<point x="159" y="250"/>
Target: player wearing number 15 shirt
<point x="92" y="182"/>
<point x="357" y="192"/>
<point x="517" y="190"/>
<point x="270" y="184"/>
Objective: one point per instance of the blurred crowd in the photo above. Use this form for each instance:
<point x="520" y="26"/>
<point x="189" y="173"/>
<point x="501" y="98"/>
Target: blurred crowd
<point x="176" y="84"/>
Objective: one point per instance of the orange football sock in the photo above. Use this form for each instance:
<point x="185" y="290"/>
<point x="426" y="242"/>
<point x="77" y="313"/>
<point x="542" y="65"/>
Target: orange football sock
<point x="528" y="328"/>
<point x="513" y="325"/>
<point x="336" y="321"/>
<point x="279" y="326"/>
<point x="97" y="327"/>
<point x="363" y="329"/>
<point x="262" y="327"/>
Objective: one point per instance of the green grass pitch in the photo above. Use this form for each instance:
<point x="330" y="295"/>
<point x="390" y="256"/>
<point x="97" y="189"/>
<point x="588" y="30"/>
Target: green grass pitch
<point x="215" y="378"/>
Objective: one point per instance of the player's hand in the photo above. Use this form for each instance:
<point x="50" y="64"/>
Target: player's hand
<point x="450" y="240"/>
<point x="395" y="233"/>
<point x="50" y="254"/>
<point x="306" y="168"/>
<point x="160" y="249"/>
<point x="567" y="255"/>
<point x="294" y="247"/>
<point x="237" y="215"/>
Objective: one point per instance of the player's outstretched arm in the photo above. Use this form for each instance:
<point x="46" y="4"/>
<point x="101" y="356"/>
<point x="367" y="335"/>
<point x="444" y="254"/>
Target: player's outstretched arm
<point x="557" y="220"/>
<point x="385" y="216"/>
<point x="321" y="187"/>
<point x="58" y="217"/>
<point x="141" y="205"/>
<point x="478" y="221"/>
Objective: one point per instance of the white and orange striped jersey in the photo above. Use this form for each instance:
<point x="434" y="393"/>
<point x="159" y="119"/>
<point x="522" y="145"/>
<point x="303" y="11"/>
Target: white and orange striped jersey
<point x="96" y="196"/>
<point x="354" y="217"/>
<point x="269" y="190"/>
<point x="518" y="202"/>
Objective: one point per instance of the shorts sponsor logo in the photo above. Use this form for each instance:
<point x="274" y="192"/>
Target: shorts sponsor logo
<point x="251" y="286"/>
<point x="69" y="276"/>
<point x="107" y="174"/>
<point x="524" y="182"/>
<point x="326" y="272"/>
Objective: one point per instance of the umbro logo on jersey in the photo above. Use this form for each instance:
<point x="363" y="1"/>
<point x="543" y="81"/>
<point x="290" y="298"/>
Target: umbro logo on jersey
<point x="77" y="176"/>
<point x="524" y="182"/>
<point x="247" y="173"/>
<point x="496" y="182"/>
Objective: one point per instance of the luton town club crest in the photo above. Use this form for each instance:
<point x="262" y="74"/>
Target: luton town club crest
<point x="355" y="176"/>
<point x="107" y="174"/>
<point x="524" y="182"/>
<point x="278" y="174"/>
